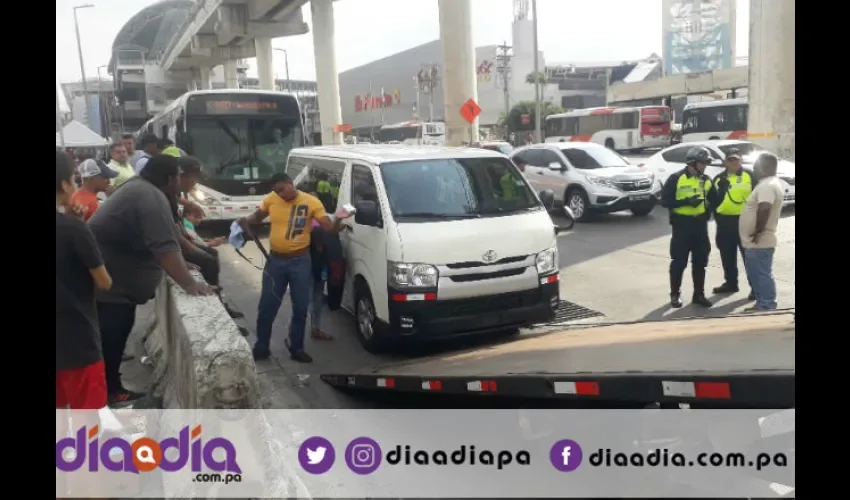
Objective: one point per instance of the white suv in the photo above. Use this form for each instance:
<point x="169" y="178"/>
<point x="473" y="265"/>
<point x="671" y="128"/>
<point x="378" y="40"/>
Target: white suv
<point x="588" y="177"/>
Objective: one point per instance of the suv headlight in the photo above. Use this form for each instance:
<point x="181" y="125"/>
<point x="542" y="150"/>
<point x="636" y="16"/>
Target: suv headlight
<point x="547" y="261"/>
<point x="600" y="181"/>
<point x="407" y="275"/>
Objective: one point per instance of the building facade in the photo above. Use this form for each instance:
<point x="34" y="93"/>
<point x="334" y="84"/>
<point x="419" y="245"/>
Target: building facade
<point x="699" y="35"/>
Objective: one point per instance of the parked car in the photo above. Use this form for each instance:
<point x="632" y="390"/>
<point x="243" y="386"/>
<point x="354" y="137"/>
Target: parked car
<point x="672" y="159"/>
<point x="588" y="178"/>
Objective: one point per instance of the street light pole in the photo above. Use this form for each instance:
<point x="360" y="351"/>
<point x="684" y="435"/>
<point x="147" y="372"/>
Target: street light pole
<point x="80" y="52"/>
<point x="286" y="67"/>
<point x="536" y="76"/>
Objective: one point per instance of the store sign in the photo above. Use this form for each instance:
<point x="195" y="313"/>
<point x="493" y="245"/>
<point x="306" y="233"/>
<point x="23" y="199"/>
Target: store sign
<point x="484" y="71"/>
<point x="367" y="101"/>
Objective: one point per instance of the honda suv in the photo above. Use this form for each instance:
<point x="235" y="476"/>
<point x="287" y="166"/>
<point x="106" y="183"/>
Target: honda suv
<point x="588" y="178"/>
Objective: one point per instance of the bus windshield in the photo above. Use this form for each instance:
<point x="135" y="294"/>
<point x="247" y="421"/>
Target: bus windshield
<point x="243" y="148"/>
<point x="400" y="134"/>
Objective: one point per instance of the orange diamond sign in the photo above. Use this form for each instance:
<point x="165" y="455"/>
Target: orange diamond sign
<point x="470" y="110"/>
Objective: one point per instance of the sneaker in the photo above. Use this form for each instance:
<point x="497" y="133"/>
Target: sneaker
<point x="725" y="288"/>
<point x="261" y="353"/>
<point x="301" y="357"/>
<point x="700" y="300"/>
<point x="123" y="396"/>
<point x="675" y="300"/>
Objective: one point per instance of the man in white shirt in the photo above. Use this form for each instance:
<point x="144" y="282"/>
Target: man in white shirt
<point x="757" y="228"/>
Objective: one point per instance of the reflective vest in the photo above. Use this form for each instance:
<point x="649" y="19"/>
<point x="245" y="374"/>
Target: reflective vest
<point x="171" y="151"/>
<point x="688" y="187"/>
<point x="508" y="183"/>
<point x="740" y="187"/>
<point x="323" y="187"/>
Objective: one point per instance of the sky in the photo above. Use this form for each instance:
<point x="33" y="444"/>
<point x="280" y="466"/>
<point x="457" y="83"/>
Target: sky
<point x="569" y="31"/>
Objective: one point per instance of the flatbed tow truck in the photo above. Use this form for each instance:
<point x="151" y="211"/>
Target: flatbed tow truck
<point x="744" y="361"/>
<point x="736" y="362"/>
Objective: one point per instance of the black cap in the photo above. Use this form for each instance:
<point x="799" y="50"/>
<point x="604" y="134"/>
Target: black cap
<point x="148" y="139"/>
<point x="734" y="153"/>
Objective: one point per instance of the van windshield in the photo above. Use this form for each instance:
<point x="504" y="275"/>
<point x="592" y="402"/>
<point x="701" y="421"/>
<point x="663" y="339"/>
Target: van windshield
<point x="456" y="188"/>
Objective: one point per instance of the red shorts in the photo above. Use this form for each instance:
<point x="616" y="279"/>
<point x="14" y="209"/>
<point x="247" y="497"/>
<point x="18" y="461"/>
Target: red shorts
<point x="82" y="388"/>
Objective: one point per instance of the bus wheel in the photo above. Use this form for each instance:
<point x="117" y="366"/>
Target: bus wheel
<point x="609" y="143"/>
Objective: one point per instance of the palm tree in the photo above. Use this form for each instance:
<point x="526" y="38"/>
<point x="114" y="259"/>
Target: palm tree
<point x="539" y="77"/>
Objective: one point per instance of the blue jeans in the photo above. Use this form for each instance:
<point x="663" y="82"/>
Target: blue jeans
<point x="759" y="265"/>
<point x="295" y="273"/>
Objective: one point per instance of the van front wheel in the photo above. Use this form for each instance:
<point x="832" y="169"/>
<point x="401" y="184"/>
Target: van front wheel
<point x="366" y="321"/>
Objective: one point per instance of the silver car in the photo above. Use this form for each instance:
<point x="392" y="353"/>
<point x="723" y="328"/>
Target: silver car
<point x="588" y="178"/>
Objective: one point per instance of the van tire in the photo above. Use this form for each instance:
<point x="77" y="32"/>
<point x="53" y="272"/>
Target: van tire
<point x="365" y="320"/>
<point x="609" y="143"/>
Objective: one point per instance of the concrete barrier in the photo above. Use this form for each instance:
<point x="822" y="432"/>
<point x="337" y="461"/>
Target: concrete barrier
<point x="197" y="355"/>
<point x="196" y="358"/>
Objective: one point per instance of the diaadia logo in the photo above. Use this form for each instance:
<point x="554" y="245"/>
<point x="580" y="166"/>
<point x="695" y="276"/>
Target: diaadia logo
<point x="116" y="454"/>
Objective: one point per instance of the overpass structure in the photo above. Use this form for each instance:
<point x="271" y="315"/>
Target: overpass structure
<point x="175" y="45"/>
<point x="682" y="84"/>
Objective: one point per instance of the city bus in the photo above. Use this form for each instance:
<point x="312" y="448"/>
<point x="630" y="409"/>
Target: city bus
<point x="715" y="120"/>
<point x="620" y="129"/>
<point x="414" y="133"/>
<point x="242" y="138"/>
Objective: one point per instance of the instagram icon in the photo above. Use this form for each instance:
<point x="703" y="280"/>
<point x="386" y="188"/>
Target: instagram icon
<point x="363" y="455"/>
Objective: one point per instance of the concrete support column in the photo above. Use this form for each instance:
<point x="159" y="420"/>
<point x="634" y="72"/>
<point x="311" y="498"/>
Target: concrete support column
<point x="231" y="75"/>
<point x="265" y="63"/>
<point x="458" y="73"/>
<point x="205" y="82"/>
<point x="327" y="77"/>
<point x="193" y="85"/>
<point x="772" y="81"/>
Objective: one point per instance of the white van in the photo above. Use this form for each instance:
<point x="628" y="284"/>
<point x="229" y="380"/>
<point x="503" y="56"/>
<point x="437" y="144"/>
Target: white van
<point x="445" y="241"/>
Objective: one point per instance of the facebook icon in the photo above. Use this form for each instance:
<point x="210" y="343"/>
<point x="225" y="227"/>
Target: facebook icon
<point x="565" y="455"/>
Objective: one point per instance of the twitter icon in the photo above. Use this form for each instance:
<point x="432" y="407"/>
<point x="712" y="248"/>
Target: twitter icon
<point x="316" y="455"/>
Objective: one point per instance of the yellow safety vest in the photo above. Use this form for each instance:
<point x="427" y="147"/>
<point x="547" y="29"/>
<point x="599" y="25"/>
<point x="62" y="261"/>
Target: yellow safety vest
<point x="323" y="187"/>
<point x="740" y="187"/>
<point x="688" y="187"/>
<point x="509" y="192"/>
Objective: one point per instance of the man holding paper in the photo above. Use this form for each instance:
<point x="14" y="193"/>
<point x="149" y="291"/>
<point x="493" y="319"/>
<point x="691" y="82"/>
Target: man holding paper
<point x="291" y="214"/>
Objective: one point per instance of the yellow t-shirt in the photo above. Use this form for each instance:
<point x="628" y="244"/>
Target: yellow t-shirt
<point x="291" y="221"/>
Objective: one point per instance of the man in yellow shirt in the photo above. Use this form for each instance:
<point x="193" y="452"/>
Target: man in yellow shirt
<point x="120" y="164"/>
<point x="291" y="214"/>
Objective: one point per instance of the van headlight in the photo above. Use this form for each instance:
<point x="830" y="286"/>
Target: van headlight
<point x="408" y="275"/>
<point x="547" y="261"/>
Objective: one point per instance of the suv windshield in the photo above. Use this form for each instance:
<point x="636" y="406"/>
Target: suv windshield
<point x="588" y="159"/>
<point x="463" y="187"/>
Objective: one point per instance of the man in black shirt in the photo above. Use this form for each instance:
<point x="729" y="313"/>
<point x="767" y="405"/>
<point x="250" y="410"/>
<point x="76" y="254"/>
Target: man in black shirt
<point x="136" y="232"/>
<point x="80" y="375"/>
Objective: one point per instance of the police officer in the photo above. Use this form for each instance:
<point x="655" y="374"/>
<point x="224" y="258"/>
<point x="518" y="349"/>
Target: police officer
<point x="733" y="186"/>
<point x="689" y="195"/>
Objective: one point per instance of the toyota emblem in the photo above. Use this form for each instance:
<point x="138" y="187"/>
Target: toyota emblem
<point x="252" y="190"/>
<point x="490" y="256"/>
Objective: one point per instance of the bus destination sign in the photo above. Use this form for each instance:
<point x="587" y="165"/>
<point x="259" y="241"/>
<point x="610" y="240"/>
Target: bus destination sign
<point x="228" y="106"/>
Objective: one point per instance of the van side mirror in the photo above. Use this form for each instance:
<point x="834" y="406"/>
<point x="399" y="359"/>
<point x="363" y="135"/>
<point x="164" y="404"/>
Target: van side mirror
<point x="547" y="197"/>
<point x="367" y="213"/>
<point x="556" y="166"/>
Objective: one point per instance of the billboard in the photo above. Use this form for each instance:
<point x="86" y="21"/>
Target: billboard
<point x="699" y="35"/>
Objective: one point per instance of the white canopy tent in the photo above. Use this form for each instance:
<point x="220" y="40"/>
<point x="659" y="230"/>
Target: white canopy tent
<point x="78" y="135"/>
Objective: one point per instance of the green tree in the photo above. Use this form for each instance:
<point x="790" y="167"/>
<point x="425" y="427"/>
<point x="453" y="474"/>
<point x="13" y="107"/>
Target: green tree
<point x="533" y="78"/>
<point x="514" y="118"/>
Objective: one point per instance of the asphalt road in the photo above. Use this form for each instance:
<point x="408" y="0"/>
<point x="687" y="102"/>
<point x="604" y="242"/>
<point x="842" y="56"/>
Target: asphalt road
<point x="615" y="265"/>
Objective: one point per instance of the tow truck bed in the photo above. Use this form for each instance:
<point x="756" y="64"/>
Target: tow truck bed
<point x="736" y="360"/>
